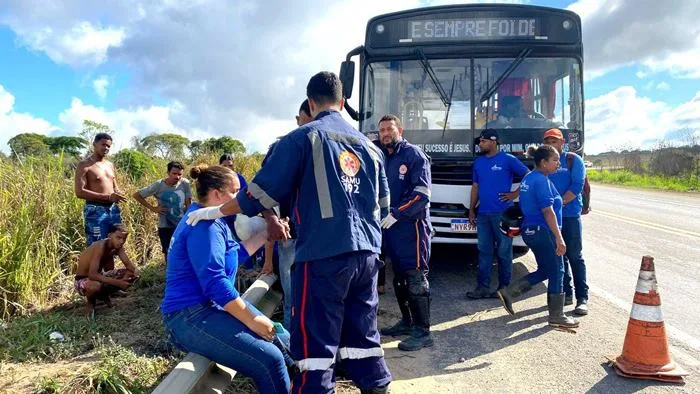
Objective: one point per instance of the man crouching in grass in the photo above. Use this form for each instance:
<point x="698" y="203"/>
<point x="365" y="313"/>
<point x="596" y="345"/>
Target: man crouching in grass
<point x="96" y="278"/>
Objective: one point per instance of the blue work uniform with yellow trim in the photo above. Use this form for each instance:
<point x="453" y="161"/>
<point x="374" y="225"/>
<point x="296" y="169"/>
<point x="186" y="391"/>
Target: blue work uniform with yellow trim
<point x="337" y="180"/>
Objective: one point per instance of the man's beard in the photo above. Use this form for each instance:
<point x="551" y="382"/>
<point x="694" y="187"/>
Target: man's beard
<point x="391" y="144"/>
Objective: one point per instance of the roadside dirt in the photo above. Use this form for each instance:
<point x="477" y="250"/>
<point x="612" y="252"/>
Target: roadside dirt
<point x="479" y="348"/>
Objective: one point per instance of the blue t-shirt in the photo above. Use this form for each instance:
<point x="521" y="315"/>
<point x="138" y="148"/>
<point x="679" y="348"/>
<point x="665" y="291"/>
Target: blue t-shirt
<point x="536" y="193"/>
<point x="570" y="179"/>
<point x="494" y="176"/>
<point x="202" y="265"/>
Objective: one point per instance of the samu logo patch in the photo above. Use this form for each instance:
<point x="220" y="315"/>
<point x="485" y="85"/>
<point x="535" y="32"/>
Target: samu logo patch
<point x="402" y="171"/>
<point x="349" y="163"/>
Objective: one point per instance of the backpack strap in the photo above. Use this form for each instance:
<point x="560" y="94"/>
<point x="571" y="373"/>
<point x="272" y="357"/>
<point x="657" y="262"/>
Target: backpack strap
<point x="570" y="160"/>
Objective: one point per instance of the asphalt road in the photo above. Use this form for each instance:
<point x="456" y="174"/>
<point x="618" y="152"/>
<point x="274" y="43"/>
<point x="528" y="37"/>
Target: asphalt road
<point x="479" y="348"/>
<point x="627" y="224"/>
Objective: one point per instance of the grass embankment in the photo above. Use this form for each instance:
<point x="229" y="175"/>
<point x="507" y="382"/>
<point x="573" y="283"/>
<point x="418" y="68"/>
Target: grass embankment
<point x="41" y="236"/>
<point x="629" y="178"/>
<point x="124" y="350"/>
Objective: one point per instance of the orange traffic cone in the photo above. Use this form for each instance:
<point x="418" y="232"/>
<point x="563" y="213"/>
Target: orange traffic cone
<point x="645" y="352"/>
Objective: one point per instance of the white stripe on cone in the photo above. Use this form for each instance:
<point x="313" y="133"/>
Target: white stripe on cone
<point x="648" y="313"/>
<point x="646" y="282"/>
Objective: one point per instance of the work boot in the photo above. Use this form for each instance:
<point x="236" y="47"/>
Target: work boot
<point x="557" y="318"/>
<point x="479" y="293"/>
<point x="581" y="307"/>
<point x="420" y="336"/>
<point x="375" y="390"/>
<point x="508" y="294"/>
<point x="419" y="339"/>
<point x="403" y="327"/>
<point x="568" y="300"/>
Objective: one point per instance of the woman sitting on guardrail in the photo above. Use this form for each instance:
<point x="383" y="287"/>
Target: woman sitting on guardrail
<point x="541" y="230"/>
<point x="202" y="310"/>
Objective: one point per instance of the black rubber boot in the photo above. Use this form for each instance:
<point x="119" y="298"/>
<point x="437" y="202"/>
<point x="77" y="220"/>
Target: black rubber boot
<point x="420" y="336"/>
<point x="402" y="327"/>
<point x="508" y="294"/>
<point x="557" y="318"/>
<point x="405" y="325"/>
<point x="376" y="390"/>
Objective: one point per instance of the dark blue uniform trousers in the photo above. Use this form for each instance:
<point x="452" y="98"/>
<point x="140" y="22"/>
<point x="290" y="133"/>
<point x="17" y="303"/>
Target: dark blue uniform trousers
<point x="334" y="311"/>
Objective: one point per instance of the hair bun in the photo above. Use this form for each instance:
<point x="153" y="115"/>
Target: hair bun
<point x="196" y="171"/>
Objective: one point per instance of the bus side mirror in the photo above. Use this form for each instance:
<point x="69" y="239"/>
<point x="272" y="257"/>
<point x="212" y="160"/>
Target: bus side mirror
<point x="347" y="77"/>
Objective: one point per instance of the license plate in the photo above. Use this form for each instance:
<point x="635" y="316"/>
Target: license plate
<point x="461" y="226"/>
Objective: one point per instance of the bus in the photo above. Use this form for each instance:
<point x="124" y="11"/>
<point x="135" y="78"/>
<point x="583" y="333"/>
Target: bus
<point x="448" y="72"/>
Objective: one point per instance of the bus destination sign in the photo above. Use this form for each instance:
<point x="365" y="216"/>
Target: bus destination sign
<point x="471" y="29"/>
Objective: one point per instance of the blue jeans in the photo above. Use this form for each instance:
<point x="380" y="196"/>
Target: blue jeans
<point x="98" y="220"/>
<point x="491" y="238"/>
<point x="286" y="251"/>
<point x="549" y="266"/>
<point x="573" y="259"/>
<point x="215" y="334"/>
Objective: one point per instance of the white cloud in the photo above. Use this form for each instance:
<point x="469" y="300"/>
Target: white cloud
<point x="100" y="85"/>
<point x="624" y="119"/>
<point x="663" y="86"/>
<point x="82" y="44"/>
<point x="235" y="68"/>
<point x="139" y="121"/>
<point x="656" y="35"/>
<point x="13" y="123"/>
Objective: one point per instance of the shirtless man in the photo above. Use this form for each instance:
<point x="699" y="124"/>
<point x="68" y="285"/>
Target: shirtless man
<point x="96" y="277"/>
<point x="96" y="183"/>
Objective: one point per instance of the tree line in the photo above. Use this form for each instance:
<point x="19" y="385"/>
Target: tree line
<point x="161" y="145"/>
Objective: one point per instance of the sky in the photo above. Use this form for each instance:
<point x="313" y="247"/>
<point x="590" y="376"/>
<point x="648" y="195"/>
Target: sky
<point x="208" y="68"/>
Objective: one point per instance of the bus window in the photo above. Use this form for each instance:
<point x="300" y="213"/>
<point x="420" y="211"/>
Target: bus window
<point x="530" y="97"/>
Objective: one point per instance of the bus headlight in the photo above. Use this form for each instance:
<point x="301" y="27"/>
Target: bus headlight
<point x="380" y="28"/>
<point x="567" y="25"/>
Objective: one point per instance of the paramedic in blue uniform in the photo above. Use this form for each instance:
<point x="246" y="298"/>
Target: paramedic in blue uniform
<point x="491" y="189"/>
<point x="569" y="183"/>
<point x="407" y="233"/>
<point x="337" y="178"/>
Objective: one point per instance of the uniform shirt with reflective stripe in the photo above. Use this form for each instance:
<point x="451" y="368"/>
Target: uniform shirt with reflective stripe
<point x="341" y="183"/>
<point x="408" y="173"/>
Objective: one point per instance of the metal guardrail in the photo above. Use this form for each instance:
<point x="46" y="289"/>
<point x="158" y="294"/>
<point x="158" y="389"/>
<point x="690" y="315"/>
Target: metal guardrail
<point x="198" y="374"/>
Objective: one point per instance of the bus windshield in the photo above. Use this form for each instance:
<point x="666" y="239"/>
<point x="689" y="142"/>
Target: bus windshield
<point x="539" y="93"/>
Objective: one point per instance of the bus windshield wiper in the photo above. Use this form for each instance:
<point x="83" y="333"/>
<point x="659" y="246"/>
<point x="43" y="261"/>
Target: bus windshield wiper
<point x="431" y="73"/>
<point x="449" y="105"/>
<point x="499" y="81"/>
